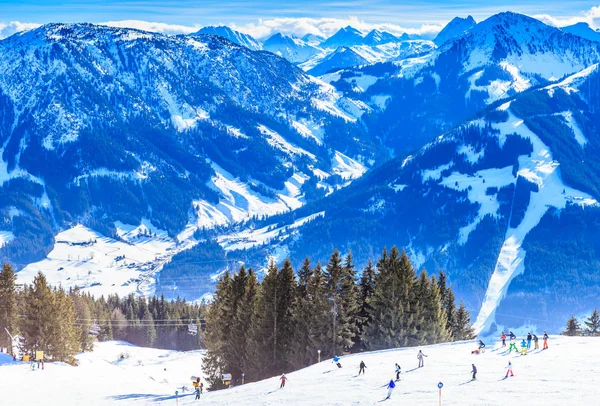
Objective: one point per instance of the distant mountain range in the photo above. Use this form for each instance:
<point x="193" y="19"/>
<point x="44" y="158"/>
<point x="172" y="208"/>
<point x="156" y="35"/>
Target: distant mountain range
<point x="141" y="162"/>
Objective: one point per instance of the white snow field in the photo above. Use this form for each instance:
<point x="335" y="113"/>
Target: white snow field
<point x="566" y="374"/>
<point x="100" y="265"/>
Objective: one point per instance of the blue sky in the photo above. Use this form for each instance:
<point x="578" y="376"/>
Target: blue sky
<point x="260" y="17"/>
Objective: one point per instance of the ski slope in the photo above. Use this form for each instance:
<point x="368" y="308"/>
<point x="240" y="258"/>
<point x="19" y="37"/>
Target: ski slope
<point x="566" y="374"/>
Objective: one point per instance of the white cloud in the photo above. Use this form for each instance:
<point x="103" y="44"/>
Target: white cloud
<point x="8" y="29"/>
<point x="592" y="17"/>
<point x="327" y="27"/>
<point x="153" y="26"/>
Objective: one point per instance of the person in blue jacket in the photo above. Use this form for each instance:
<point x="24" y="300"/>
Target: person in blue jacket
<point x="390" y="387"/>
<point x="523" y="347"/>
<point x="336" y="360"/>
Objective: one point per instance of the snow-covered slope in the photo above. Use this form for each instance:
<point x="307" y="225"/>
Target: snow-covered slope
<point x="94" y="263"/>
<point x="455" y="28"/>
<point x="234" y="36"/>
<point x="565" y="373"/>
<point x="145" y="376"/>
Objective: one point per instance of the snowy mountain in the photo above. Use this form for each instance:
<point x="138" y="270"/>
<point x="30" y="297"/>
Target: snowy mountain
<point x="346" y="36"/>
<point x="455" y="28"/>
<point x="234" y="36"/>
<point x="500" y="203"/>
<point x="293" y="49"/>
<point x="105" y="126"/>
<point x="313" y="39"/>
<point x="583" y="30"/>
<point x="349" y="36"/>
<point x="418" y="98"/>
<point x="355" y="56"/>
<point x="343" y="57"/>
<point x="376" y="37"/>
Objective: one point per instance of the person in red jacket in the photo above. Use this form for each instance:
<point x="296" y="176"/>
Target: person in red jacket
<point x="283" y="379"/>
<point x="503" y="338"/>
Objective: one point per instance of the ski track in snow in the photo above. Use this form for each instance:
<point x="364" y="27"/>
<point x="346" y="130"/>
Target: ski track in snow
<point x="566" y="374"/>
<point x="542" y="170"/>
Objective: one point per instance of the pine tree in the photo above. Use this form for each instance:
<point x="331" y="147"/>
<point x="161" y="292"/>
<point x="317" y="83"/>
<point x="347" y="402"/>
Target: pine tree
<point x="433" y="326"/>
<point x="286" y="289"/>
<point x="343" y="296"/>
<point x="148" y="328"/>
<point x="83" y="318"/>
<point x="450" y="309"/>
<point x="36" y="325"/>
<point x="462" y="329"/>
<point x="64" y="341"/>
<point x="318" y="314"/>
<point x="301" y="354"/>
<point x="393" y="304"/>
<point x="366" y="290"/>
<point x="217" y="331"/>
<point x="350" y="305"/>
<point x="573" y="327"/>
<point x="244" y="291"/>
<point x="593" y="324"/>
<point x="264" y="327"/>
<point x="8" y="306"/>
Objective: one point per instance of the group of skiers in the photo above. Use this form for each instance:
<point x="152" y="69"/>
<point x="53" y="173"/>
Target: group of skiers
<point x="525" y="343"/>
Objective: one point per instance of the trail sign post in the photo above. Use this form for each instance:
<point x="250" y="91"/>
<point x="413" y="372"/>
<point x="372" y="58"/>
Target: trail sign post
<point x="440" y="386"/>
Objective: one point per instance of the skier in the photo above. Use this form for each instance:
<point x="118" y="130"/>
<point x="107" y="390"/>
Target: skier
<point x="390" y="387"/>
<point x="481" y="346"/>
<point x="503" y="338"/>
<point x="398" y="370"/>
<point x="512" y="336"/>
<point x="282" y="379"/>
<point x="512" y="346"/>
<point x="535" y="342"/>
<point x="474" y="372"/>
<point x="336" y="359"/>
<point x="198" y="392"/>
<point x="523" y="347"/>
<point x="509" y="369"/>
<point x="545" y="341"/>
<point x="362" y="367"/>
<point x="420" y="356"/>
<point x="529" y="338"/>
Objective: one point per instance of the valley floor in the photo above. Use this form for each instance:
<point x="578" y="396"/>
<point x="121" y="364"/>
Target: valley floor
<point x="566" y="374"/>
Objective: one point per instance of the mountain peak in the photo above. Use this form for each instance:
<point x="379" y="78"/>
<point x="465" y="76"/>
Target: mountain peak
<point x="232" y="35"/>
<point x="455" y="28"/>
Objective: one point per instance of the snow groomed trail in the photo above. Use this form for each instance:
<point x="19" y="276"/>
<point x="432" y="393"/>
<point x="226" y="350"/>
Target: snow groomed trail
<point x="566" y="374"/>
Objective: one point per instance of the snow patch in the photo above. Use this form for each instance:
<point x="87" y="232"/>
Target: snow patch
<point x="346" y="167"/>
<point x="434" y="174"/>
